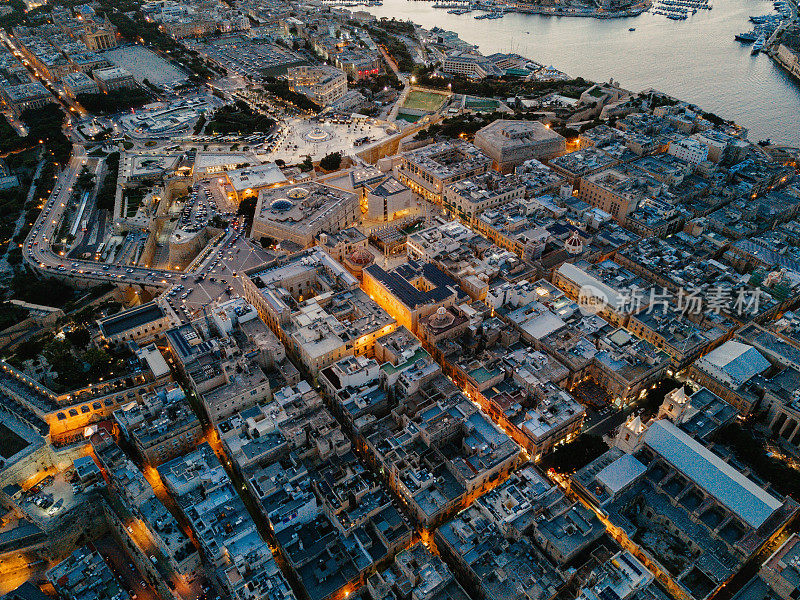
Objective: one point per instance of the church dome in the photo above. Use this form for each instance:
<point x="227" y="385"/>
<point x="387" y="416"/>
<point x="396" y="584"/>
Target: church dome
<point x="281" y="205"/>
<point x="361" y="257"/>
<point x="574" y="244"/>
<point x="442" y="318"/>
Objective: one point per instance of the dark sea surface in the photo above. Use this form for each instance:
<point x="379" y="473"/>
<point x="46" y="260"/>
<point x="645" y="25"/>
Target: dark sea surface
<point x="695" y="60"/>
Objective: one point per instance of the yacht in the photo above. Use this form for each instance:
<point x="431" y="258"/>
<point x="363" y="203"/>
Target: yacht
<point x="758" y="45"/>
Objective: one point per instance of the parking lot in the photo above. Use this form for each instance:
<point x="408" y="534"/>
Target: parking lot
<point x="51" y="496"/>
<point x="216" y="279"/>
<point x="242" y="56"/>
<point x="199" y="209"/>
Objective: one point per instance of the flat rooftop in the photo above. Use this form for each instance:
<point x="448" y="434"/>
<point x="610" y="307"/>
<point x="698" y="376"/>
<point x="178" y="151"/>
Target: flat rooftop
<point x="129" y="319"/>
<point x="268" y="174"/>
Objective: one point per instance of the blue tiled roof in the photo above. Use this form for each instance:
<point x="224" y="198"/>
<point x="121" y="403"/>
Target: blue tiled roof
<point x="730" y="487"/>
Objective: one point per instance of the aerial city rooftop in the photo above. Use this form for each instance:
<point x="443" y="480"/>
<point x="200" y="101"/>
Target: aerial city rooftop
<point x="302" y="303"/>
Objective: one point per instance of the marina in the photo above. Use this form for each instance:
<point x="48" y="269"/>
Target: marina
<point x="765" y="26"/>
<point x="712" y="68"/>
<point x="352" y="3"/>
<point x="494" y="14"/>
<point x="679" y="10"/>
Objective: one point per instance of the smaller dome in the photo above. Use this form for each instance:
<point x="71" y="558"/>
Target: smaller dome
<point x="442" y="318"/>
<point x="361" y="257"/>
<point x="281" y="205"/>
<point x="297" y="193"/>
<point x="574" y="244"/>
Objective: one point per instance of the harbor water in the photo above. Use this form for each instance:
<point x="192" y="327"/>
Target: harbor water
<point x="696" y="59"/>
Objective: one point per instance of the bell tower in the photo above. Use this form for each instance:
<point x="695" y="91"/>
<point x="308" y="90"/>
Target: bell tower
<point x="630" y="434"/>
<point x="674" y="406"/>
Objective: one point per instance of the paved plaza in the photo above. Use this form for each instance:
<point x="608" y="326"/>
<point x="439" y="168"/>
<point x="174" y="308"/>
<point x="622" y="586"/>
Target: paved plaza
<point x="301" y="138"/>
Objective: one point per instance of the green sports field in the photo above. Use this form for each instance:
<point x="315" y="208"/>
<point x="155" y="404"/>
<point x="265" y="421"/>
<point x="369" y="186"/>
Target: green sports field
<point x="427" y="101"/>
<point x="474" y="103"/>
<point x="401" y="116"/>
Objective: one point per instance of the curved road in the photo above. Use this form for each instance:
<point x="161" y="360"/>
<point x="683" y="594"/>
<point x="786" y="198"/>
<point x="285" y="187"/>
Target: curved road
<point x="39" y="255"/>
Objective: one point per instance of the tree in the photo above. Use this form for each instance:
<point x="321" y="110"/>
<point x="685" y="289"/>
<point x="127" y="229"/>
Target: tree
<point x="280" y="88"/>
<point x="85" y="179"/>
<point x="11" y="314"/>
<point x="48" y="292"/>
<point x="97" y="358"/>
<point x="44" y="125"/>
<point x="11" y="205"/>
<point x="567" y="132"/>
<point x="79" y="337"/>
<point x="120" y="100"/>
<point x="247" y="208"/>
<point x="108" y="191"/>
<point x="29" y="349"/>
<point x="238" y="118"/>
<point x="306" y="165"/>
<point x="753" y="451"/>
<point x="219" y="222"/>
<point x="331" y="162"/>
